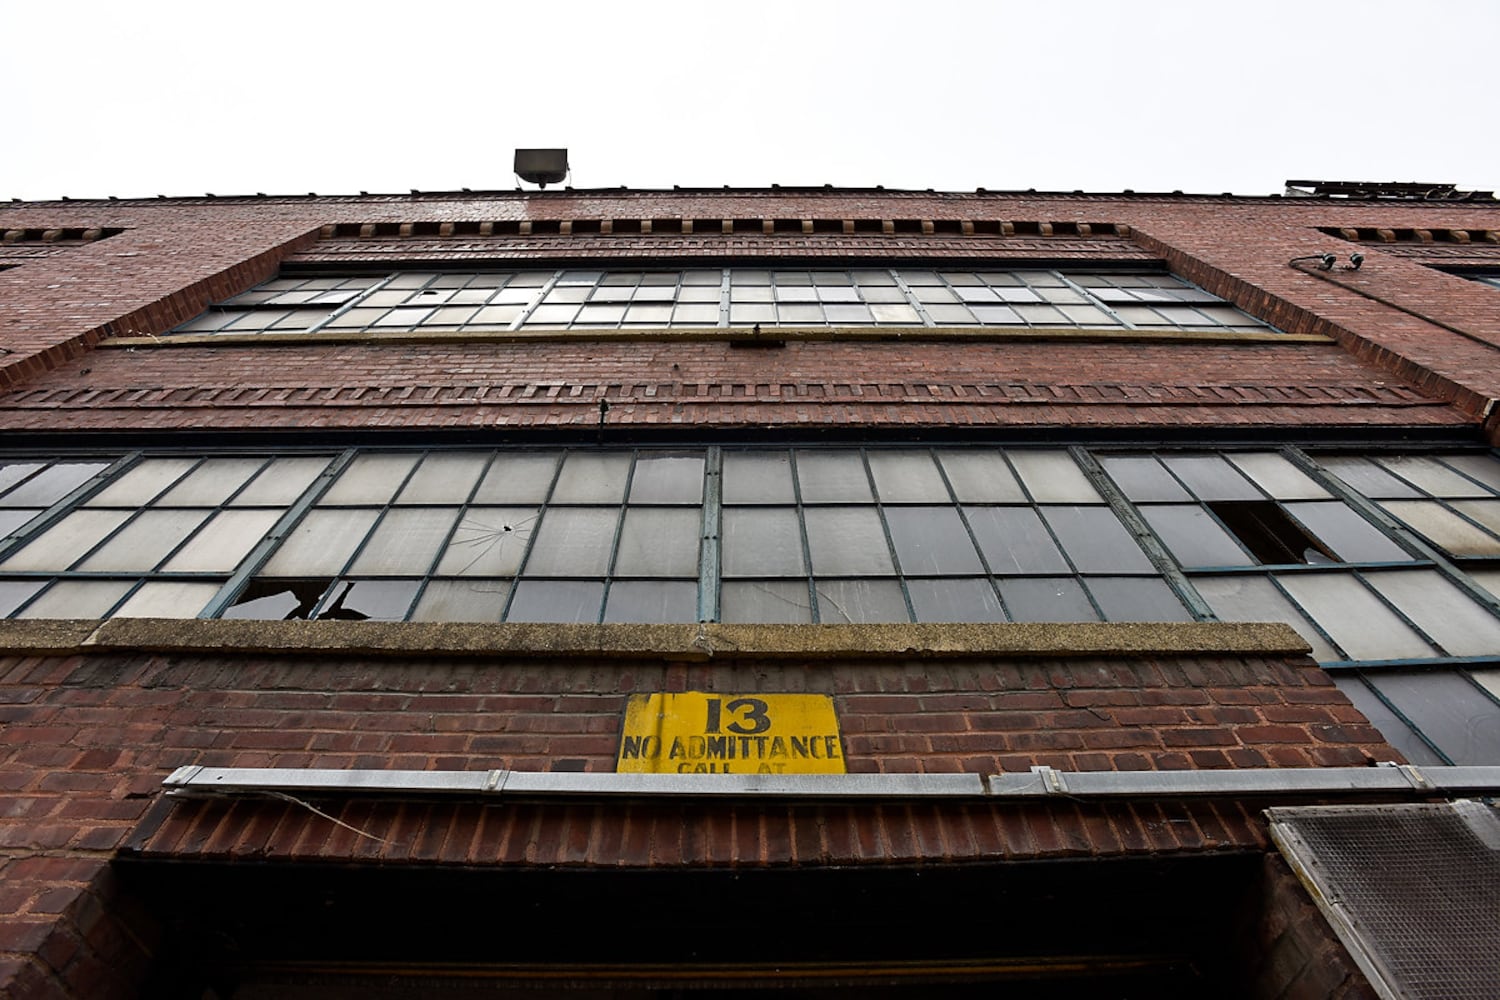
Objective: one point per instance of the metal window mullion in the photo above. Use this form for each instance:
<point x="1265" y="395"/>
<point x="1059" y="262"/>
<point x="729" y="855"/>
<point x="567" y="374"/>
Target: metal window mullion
<point x="614" y="548"/>
<point x="461" y="509"/>
<point x="27" y="531"/>
<point x="130" y="519"/>
<point x="725" y="292"/>
<point x="1391" y="707"/>
<point x="540" y="520"/>
<point x="1144" y="536"/>
<point x="1307" y="616"/>
<point x="1403" y="536"/>
<point x="963" y="518"/>
<point x="262" y="552"/>
<point x="541" y="295"/>
<point x="1062" y="549"/>
<point x="885" y="528"/>
<point x="1091" y="299"/>
<point x="1484" y="692"/>
<point x="359" y="549"/>
<point x="214" y="510"/>
<point x="811" y="576"/>
<point x="709" y="541"/>
<point x="911" y="297"/>
<point x="1403" y="617"/>
<point x="1203" y="504"/>
<point x="352" y="303"/>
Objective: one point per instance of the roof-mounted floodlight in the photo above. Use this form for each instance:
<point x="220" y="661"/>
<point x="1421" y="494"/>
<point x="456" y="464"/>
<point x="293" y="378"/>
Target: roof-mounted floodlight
<point x="542" y="166"/>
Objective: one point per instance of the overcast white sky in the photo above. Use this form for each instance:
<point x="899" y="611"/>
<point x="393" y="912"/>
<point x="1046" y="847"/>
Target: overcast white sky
<point x="161" y="96"/>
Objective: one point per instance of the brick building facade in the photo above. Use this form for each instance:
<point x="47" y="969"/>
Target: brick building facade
<point x="1057" y="502"/>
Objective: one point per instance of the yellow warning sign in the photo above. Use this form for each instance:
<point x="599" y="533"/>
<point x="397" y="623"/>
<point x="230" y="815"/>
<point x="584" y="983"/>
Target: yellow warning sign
<point x="696" y="732"/>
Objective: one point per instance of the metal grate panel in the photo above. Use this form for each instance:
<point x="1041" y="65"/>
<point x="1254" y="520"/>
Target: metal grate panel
<point x="1413" y="891"/>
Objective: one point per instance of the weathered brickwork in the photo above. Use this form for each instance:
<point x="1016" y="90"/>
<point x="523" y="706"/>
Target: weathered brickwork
<point x="1397" y="351"/>
<point x="708" y="385"/>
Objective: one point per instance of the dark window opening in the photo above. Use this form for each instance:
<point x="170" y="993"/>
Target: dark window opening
<point x="1270" y="535"/>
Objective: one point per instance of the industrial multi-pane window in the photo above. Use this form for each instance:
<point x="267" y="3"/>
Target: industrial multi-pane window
<point x="499" y="301"/>
<point x="1385" y="563"/>
<point x="1383" y="557"/>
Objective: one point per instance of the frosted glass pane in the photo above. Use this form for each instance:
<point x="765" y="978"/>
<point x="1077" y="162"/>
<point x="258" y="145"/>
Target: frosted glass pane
<point x="1053" y="477"/>
<point x="907" y="477"/>
<point x="592" y="478"/>
<point x="1432" y="476"/>
<point x="321" y="544"/>
<point x="1212" y="478"/>
<point x="556" y="601"/>
<point x="462" y="601"/>
<point x="852" y="601"/>
<point x="1486" y="512"/>
<point x="142" y="483"/>
<point x="962" y="599"/>
<point x="78" y="599"/>
<point x="211" y="483"/>
<point x="1443" y="528"/>
<point x="1055" y="599"/>
<point x="652" y="601"/>
<point x="13" y="472"/>
<point x="659" y="541"/>
<point x="667" y="479"/>
<point x="51" y="485"/>
<point x="1143" y="478"/>
<point x="444" y="479"/>
<point x="1278" y="477"/>
<point x="1096" y="541"/>
<point x="144" y="542"/>
<point x="847" y="541"/>
<point x="168" y="599"/>
<point x="1397" y="733"/>
<point x="14" y="593"/>
<point x="1480" y="467"/>
<point x="1014" y="540"/>
<point x="405" y="542"/>
<point x="1136" y="599"/>
<point x="489" y="541"/>
<point x="1354" y="617"/>
<point x="1441" y="610"/>
<point x="515" y="479"/>
<point x="769" y="601"/>
<point x="370" y="478"/>
<point x="1350" y="536"/>
<point x="1256" y="599"/>
<point x="762" y="541"/>
<point x="62" y="544"/>
<point x="931" y="541"/>
<point x="757" y="477"/>
<point x="573" y="542"/>
<point x="1463" y="723"/>
<point x="1194" y="537"/>
<point x="832" y="476"/>
<point x="981" y="477"/>
<point x="282" y="482"/>
<point x="1488" y="679"/>
<point x="223" y="542"/>
<point x="13" y="518"/>
<point x="370" y="600"/>
<point x="1366" y="477"/>
<point x="1489" y="579"/>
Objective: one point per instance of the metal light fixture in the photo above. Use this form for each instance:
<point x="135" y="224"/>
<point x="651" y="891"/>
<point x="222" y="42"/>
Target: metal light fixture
<point x="1325" y="260"/>
<point x="542" y="166"/>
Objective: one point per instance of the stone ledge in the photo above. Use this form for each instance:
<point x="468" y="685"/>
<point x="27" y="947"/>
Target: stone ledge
<point x="671" y="642"/>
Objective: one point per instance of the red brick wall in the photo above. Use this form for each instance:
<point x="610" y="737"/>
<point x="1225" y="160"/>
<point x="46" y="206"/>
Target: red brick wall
<point x="87" y="740"/>
<point x="177" y="255"/>
<point x="930" y="384"/>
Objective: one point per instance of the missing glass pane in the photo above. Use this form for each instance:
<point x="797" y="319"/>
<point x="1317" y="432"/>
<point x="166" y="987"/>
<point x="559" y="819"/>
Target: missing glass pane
<point x="1270" y="535"/>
